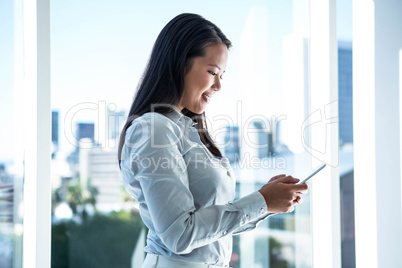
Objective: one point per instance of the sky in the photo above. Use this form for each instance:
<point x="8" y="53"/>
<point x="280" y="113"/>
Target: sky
<point x="100" y="48"/>
<point x="6" y="79"/>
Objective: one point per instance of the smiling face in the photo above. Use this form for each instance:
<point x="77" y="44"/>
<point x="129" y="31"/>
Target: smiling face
<point x="203" y="79"/>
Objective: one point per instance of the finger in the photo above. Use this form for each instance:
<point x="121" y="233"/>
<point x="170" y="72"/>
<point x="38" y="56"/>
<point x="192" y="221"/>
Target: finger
<point x="291" y="209"/>
<point x="307" y="186"/>
<point x="277" y="177"/>
<point x="298" y="200"/>
<point x="295" y="197"/>
<point x="288" y="179"/>
<point x="302" y="192"/>
<point x="300" y="188"/>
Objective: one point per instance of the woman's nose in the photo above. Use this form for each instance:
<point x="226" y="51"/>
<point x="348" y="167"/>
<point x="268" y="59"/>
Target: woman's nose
<point x="217" y="84"/>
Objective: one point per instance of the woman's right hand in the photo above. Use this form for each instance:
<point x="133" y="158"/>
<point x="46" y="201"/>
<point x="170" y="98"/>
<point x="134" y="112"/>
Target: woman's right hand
<point x="282" y="193"/>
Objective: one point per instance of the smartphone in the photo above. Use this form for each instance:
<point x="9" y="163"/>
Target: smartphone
<point x="312" y="173"/>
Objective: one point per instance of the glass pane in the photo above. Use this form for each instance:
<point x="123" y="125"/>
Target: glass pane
<point x="99" y="51"/>
<point x="346" y="166"/>
<point x="273" y="103"/>
<point x="11" y="153"/>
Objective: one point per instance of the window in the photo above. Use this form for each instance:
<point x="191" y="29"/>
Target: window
<point x="11" y="153"/>
<point x="97" y="119"/>
<point x="97" y="60"/>
<point x="345" y="104"/>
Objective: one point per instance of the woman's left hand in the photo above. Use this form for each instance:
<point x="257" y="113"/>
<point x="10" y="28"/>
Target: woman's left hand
<point x="298" y="199"/>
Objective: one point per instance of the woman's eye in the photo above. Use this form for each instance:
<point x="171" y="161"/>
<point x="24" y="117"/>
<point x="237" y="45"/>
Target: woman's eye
<point x="212" y="73"/>
<point x="215" y="74"/>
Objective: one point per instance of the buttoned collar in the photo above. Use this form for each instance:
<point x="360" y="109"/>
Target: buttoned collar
<point x="177" y="116"/>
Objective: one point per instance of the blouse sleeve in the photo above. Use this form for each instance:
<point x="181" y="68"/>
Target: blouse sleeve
<point x="159" y="170"/>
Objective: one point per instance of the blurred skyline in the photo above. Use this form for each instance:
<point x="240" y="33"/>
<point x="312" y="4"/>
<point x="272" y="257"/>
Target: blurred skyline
<point x="115" y="40"/>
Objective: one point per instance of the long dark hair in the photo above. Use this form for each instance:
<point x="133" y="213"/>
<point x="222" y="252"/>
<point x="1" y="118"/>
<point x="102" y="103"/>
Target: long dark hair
<point x="184" y="38"/>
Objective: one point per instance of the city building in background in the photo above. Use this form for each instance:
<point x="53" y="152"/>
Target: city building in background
<point x="346" y="166"/>
<point x="264" y="141"/>
<point x="85" y="130"/>
<point x="6" y="196"/>
<point x="99" y="168"/>
<point x="55" y="132"/>
<point x="231" y="144"/>
<point x="10" y="218"/>
<point x="93" y="166"/>
<point x="115" y="122"/>
<point x="345" y="84"/>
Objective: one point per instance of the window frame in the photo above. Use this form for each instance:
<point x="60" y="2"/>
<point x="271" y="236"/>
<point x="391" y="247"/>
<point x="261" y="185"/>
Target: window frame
<point x="325" y="190"/>
<point x="36" y="118"/>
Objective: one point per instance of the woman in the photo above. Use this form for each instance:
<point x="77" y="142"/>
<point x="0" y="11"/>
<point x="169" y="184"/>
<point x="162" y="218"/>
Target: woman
<point x="171" y="165"/>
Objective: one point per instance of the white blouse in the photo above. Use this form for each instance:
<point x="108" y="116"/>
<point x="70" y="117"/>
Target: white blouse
<point x="185" y="193"/>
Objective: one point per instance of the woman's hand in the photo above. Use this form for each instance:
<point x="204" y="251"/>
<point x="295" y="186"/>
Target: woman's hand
<point x="282" y="193"/>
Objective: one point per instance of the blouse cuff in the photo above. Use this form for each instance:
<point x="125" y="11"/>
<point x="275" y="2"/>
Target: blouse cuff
<point x="252" y="205"/>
